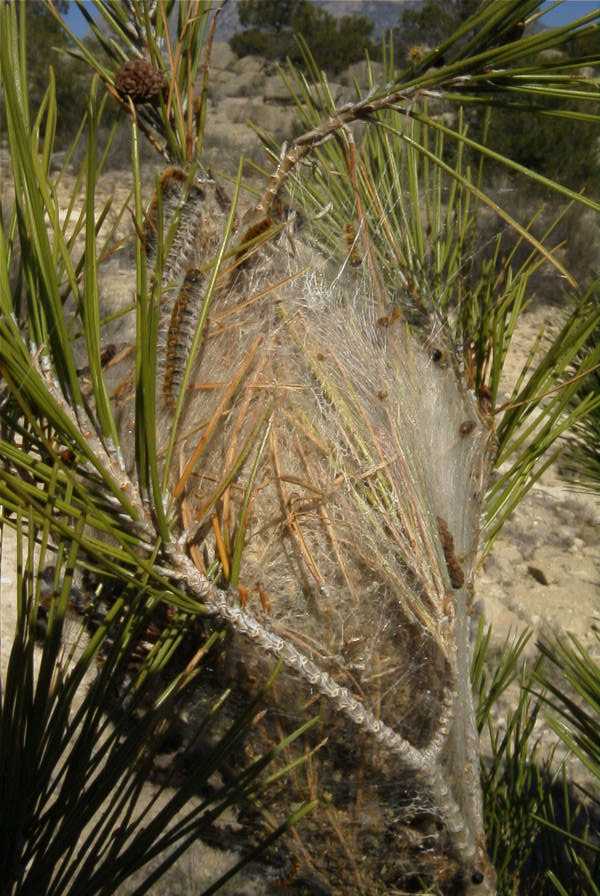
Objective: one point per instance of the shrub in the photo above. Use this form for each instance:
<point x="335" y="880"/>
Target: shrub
<point x="271" y="30"/>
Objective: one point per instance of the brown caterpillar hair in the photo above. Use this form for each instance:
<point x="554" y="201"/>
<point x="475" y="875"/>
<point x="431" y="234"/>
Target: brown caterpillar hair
<point x="252" y="233"/>
<point x="172" y="176"/>
<point x="182" y="326"/>
<point x="457" y="576"/>
<point x="352" y="247"/>
<point x="222" y="198"/>
<point x="175" y="199"/>
<point x="388" y="319"/>
<point x="107" y="354"/>
<point x="170" y="186"/>
<point x="486" y="401"/>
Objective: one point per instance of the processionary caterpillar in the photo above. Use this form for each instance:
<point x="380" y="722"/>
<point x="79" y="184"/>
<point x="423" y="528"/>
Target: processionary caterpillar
<point x="457" y="576"/>
<point x="251" y="234"/>
<point x="188" y="205"/>
<point x="170" y="186"/>
<point x="352" y="246"/>
<point x="182" y="326"/>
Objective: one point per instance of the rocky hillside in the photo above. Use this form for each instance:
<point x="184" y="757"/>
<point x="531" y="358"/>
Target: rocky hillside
<point x="383" y="13"/>
<point x="250" y="90"/>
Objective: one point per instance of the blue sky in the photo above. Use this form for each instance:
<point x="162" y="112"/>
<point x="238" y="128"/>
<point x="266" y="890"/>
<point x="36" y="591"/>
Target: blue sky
<point x="569" y="10"/>
<point x="75" y="20"/>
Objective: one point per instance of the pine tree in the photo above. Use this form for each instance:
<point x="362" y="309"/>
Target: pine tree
<point x="290" y="462"/>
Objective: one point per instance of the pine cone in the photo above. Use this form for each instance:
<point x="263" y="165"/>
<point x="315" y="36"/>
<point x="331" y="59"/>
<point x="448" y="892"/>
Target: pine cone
<point x="139" y="80"/>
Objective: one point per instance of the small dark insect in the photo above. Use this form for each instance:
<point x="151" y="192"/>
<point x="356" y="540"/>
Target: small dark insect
<point x="439" y="358"/>
<point x="108" y="354"/>
<point x="382" y="395"/>
<point x="67" y="456"/>
<point x="470" y="363"/>
<point x="467" y="427"/>
<point x="515" y="32"/>
<point x="538" y="574"/>
<point x="457" y="576"/>
<point x="389" y="319"/>
<point x="486" y="402"/>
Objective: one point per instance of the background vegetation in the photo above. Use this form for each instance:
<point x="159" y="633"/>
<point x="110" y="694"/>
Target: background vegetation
<point x="270" y="28"/>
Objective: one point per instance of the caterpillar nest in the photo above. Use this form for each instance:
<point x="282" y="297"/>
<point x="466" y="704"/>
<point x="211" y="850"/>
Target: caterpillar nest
<point x="324" y="478"/>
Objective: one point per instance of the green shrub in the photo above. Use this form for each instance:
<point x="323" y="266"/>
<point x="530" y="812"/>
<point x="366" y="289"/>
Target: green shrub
<point x="271" y="29"/>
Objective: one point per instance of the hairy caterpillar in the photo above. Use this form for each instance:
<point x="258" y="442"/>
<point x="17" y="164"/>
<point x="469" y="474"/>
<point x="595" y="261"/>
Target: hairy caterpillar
<point x="352" y="247"/>
<point x="170" y="184"/>
<point x="180" y="281"/>
<point x="251" y="234"/>
<point x="182" y="324"/>
<point x="486" y="401"/>
<point x="179" y="254"/>
<point x="457" y="576"/>
<point x="387" y="320"/>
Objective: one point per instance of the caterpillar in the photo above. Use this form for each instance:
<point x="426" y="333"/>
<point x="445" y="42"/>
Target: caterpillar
<point x="457" y="576"/>
<point x="486" y="400"/>
<point x="170" y="185"/>
<point x="185" y="239"/>
<point x="182" y="325"/>
<point x="179" y="282"/>
<point x="388" y="319"/>
<point x="251" y="234"/>
<point x="352" y="247"/>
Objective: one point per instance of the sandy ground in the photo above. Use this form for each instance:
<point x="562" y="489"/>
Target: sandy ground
<point x="544" y="568"/>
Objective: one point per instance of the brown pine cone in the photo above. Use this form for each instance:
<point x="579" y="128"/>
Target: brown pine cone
<point x="139" y="80"/>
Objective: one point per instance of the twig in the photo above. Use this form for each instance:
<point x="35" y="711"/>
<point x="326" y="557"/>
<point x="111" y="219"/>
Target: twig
<point x="420" y="762"/>
<point x="305" y="144"/>
<point x="111" y="460"/>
